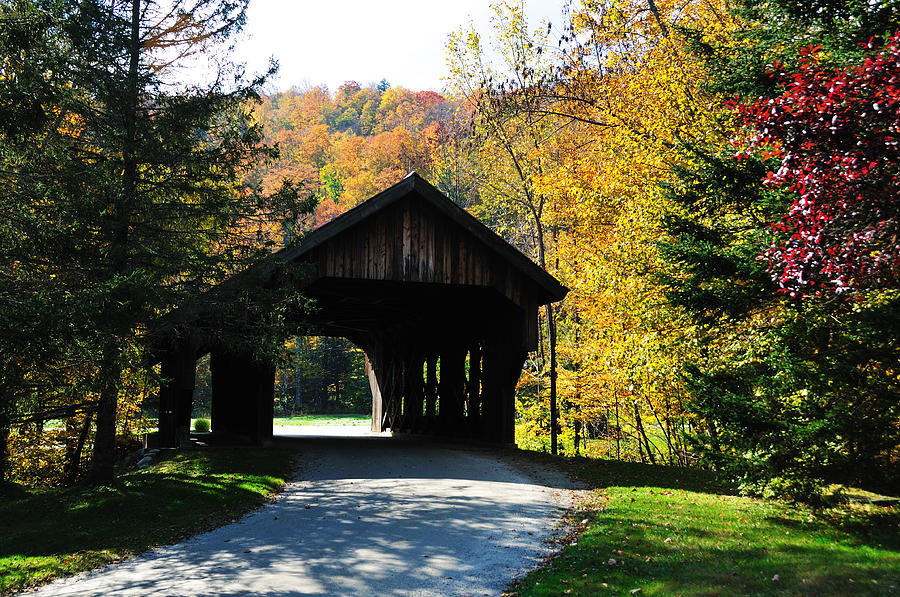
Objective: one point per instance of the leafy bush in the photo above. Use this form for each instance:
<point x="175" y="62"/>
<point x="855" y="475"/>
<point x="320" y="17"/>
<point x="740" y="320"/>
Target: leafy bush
<point x="201" y="425"/>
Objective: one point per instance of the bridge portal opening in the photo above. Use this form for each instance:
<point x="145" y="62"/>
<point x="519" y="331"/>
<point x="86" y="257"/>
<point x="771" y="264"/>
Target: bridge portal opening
<point x="322" y="375"/>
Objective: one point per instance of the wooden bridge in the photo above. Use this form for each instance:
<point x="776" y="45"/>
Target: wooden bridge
<point x="444" y="309"/>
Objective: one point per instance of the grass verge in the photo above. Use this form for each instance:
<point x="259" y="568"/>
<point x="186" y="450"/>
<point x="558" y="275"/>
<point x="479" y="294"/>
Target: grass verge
<point x="652" y="530"/>
<point x="48" y="533"/>
<point x="324" y="420"/>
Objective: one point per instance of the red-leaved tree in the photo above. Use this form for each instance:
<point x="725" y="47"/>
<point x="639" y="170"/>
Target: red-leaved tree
<point x="837" y="135"/>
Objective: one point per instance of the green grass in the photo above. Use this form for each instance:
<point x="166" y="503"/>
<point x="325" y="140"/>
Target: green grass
<point x="325" y="420"/>
<point x="56" y="532"/>
<point x="674" y="531"/>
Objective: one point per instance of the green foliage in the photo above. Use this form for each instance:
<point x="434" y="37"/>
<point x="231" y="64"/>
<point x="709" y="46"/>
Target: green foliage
<point x="811" y="399"/>
<point x="789" y="395"/>
<point x="780" y="29"/>
<point x="716" y="227"/>
<point x="201" y="425"/>
<point x="323" y="375"/>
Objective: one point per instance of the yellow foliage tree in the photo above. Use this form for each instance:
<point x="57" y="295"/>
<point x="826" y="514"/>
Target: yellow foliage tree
<point x="586" y="129"/>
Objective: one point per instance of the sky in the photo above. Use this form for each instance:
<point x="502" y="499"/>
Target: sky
<point x="332" y="41"/>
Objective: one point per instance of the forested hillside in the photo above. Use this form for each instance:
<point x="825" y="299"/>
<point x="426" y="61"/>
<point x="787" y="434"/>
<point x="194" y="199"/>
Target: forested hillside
<point x="348" y="145"/>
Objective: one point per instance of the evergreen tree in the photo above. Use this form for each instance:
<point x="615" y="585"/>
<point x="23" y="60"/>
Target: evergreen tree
<point x="132" y="182"/>
<point x="793" y="391"/>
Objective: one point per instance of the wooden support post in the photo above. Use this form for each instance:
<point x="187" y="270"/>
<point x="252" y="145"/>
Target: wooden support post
<point x="176" y="392"/>
<point x="511" y="371"/>
<point x="431" y="390"/>
<point x="185" y="380"/>
<point x="225" y="384"/>
<point x="395" y="389"/>
<point x="451" y="390"/>
<point x="166" y="435"/>
<point x="387" y="380"/>
<point x="377" y="400"/>
<point x="404" y="408"/>
<point x="502" y="366"/>
<point x="386" y="377"/>
<point x="263" y="395"/>
<point x="243" y="396"/>
<point x="413" y="392"/>
<point x="473" y="389"/>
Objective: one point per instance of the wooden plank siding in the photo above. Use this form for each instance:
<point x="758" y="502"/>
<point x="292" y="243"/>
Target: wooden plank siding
<point x="409" y="241"/>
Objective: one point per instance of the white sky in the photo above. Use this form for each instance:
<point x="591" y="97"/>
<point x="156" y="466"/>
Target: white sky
<point x="332" y="41"/>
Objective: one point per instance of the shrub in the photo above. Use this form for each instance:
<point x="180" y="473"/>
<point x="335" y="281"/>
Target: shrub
<point x="201" y="425"/>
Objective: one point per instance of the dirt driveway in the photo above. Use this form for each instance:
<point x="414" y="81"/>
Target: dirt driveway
<point x="366" y="516"/>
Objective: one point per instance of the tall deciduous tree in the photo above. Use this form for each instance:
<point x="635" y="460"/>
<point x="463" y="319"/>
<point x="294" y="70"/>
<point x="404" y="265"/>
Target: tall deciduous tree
<point x="512" y="142"/>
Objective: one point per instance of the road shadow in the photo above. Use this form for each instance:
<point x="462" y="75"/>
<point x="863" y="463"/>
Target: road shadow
<point x="362" y="517"/>
<point x="547" y="472"/>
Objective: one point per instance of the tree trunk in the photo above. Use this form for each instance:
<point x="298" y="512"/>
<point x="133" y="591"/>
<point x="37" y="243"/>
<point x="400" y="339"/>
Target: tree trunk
<point x="618" y="428"/>
<point x="297" y="402"/>
<point x="111" y="369"/>
<point x="73" y="455"/>
<point x="578" y="428"/>
<point x="102" y="468"/>
<point x="658" y="17"/>
<point x="579" y="424"/>
<point x="641" y="433"/>
<point x="4" y="446"/>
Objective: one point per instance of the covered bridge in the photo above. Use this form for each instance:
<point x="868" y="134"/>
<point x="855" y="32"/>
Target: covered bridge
<point x="444" y="309"/>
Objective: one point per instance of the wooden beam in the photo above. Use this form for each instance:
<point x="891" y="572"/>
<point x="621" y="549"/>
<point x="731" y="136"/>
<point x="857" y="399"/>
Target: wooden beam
<point x="377" y="400"/>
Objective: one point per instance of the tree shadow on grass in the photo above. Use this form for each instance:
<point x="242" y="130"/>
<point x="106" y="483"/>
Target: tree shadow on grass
<point x="597" y="473"/>
<point x="141" y="509"/>
<point x="871" y="526"/>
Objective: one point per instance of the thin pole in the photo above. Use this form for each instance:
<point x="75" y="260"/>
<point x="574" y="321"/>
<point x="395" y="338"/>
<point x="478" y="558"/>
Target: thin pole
<point x="296" y="373"/>
<point x="554" y="413"/>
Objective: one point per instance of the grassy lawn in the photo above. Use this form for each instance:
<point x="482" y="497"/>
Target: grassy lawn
<point x="324" y="420"/>
<point x="670" y="531"/>
<point x="55" y="532"/>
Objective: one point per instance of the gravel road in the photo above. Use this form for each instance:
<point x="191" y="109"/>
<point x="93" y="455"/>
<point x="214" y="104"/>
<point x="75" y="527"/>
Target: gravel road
<point x="365" y="516"/>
